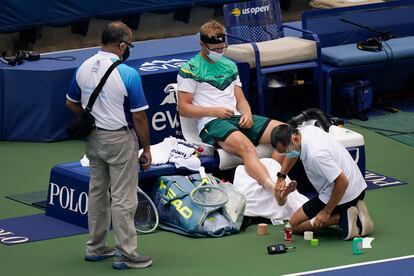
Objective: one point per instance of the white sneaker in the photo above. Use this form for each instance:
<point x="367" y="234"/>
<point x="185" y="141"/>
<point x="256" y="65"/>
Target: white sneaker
<point x="122" y="262"/>
<point x="367" y="225"/>
<point x="348" y="223"/>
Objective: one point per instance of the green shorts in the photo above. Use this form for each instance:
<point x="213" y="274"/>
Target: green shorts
<point x="219" y="129"/>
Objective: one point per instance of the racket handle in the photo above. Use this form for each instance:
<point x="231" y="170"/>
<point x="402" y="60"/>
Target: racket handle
<point x="202" y="172"/>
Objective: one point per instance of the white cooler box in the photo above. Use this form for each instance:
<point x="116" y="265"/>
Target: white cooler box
<point x="354" y="143"/>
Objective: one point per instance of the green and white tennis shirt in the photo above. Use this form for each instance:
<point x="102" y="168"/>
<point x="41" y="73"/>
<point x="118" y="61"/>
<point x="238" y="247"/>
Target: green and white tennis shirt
<point x="212" y="85"/>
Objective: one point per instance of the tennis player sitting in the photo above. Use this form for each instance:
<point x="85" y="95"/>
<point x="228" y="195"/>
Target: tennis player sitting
<point x="210" y="90"/>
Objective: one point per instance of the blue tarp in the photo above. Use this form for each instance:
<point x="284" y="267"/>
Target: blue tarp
<point x="16" y="15"/>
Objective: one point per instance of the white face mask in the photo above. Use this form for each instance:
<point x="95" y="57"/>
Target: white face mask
<point x="214" y="56"/>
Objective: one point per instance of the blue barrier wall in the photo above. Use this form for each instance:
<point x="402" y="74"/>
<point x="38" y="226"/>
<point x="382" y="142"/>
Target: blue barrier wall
<point x="17" y="15"/>
<point x="34" y="93"/>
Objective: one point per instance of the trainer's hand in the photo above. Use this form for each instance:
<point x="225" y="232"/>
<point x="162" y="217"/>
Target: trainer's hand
<point x="246" y="121"/>
<point x="321" y="219"/>
<point x="223" y="113"/>
<point x="289" y="187"/>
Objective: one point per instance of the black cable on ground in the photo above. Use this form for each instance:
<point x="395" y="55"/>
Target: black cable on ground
<point x="62" y="58"/>
<point x="381" y="129"/>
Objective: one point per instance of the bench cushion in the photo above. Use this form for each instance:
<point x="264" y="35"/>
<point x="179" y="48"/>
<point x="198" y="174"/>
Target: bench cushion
<point x="274" y="52"/>
<point x="350" y="55"/>
<point x="329" y="4"/>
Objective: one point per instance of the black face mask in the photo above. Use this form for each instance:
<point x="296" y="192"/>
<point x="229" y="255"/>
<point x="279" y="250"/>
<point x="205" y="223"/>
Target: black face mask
<point x="126" y="53"/>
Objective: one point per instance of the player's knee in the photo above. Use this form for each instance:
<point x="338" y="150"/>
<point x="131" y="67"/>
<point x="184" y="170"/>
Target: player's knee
<point x="247" y="150"/>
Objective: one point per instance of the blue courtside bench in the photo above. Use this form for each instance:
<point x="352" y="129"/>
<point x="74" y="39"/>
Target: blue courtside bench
<point x="67" y="198"/>
<point x="391" y="68"/>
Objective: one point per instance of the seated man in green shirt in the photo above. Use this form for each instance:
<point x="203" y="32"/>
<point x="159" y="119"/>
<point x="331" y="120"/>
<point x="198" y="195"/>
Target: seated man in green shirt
<point x="209" y="89"/>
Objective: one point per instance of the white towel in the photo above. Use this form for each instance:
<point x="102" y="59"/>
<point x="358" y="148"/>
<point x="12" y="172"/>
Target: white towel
<point x="261" y="202"/>
<point x="172" y="150"/>
<point x="192" y="163"/>
<point x="176" y="151"/>
<point x="161" y="152"/>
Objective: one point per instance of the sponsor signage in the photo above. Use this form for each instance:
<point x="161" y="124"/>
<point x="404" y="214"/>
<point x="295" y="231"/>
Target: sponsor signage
<point x="10" y="238"/>
<point x="156" y="74"/>
<point x="376" y="180"/>
<point x="162" y="65"/>
<point x="251" y="12"/>
<point x="67" y="197"/>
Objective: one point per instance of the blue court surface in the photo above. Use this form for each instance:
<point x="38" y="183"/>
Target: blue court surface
<point x="400" y="266"/>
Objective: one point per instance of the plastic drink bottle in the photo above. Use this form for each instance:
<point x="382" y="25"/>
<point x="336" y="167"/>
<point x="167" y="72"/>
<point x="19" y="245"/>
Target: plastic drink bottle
<point x="287" y="235"/>
<point x="357" y="245"/>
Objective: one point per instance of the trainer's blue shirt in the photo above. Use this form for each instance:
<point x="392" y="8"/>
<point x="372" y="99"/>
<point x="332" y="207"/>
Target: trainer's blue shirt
<point x="121" y="94"/>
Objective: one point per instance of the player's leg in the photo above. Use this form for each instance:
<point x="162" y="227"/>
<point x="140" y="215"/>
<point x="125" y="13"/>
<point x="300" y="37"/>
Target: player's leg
<point x="238" y="144"/>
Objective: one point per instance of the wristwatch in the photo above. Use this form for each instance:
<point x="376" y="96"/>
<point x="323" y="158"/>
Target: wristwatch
<point x="281" y="175"/>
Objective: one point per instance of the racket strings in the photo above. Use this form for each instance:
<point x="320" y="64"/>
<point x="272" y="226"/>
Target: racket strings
<point x="145" y="217"/>
<point x="207" y="195"/>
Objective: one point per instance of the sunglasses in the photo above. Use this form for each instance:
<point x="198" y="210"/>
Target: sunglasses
<point x="128" y="44"/>
<point x="220" y="49"/>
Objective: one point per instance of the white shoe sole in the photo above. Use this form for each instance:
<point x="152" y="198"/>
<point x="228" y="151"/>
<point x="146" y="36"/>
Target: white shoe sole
<point x="364" y="217"/>
<point x="352" y="214"/>
<point x="126" y="265"/>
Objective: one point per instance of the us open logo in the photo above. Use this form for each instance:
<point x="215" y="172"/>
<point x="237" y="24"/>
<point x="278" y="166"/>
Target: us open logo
<point x="253" y="10"/>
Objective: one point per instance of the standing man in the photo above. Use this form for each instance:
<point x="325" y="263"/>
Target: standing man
<point x="209" y="89"/>
<point x="335" y="176"/>
<point x="112" y="147"/>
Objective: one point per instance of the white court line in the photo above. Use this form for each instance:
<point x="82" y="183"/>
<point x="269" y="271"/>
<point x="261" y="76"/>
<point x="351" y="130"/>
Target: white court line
<point x="352" y="265"/>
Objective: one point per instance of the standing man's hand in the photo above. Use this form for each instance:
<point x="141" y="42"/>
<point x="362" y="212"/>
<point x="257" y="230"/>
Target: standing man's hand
<point x="145" y="159"/>
<point x="246" y="121"/>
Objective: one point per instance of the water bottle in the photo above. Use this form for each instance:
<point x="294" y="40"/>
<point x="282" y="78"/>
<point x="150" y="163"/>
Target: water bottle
<point x="287" y="235"/>
<point x="205" y="150"/>
<point x="357" y="245"/>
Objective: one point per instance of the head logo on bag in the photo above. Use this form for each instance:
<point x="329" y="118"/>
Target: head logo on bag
<point x="180" y="214"/>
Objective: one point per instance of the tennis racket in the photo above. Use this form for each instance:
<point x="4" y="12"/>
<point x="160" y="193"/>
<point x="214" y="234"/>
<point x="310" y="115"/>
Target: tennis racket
<point x="146" y="216"/>
<point x="206" y="194"/>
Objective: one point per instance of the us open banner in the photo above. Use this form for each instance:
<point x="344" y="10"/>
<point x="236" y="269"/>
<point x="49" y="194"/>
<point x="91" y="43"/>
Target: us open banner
<point x="242" y="17"/>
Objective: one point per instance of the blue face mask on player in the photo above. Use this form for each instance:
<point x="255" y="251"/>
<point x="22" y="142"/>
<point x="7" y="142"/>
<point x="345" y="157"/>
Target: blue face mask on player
<point x="214" y="56"/>
<point x="291" y="152"/>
